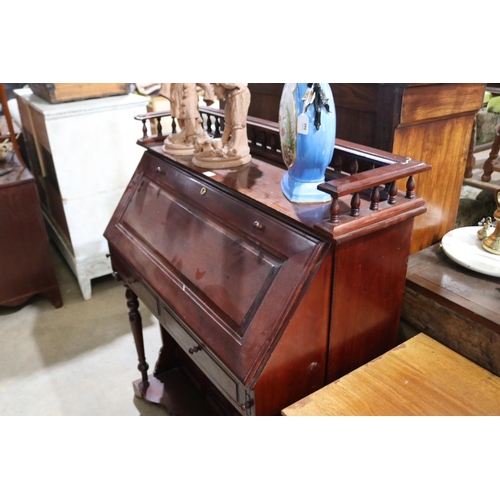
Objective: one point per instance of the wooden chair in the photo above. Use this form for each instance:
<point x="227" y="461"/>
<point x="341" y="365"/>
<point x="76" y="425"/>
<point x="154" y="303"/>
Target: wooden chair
<point x="12" y="135"/>
<point x="491" y="163"/>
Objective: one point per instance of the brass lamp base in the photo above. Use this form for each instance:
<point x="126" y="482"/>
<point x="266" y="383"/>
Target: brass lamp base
<point x="492" y="243"/>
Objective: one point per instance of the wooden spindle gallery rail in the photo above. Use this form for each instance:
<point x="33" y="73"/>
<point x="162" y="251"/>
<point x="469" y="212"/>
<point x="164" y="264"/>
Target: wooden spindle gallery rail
<point x="358" y="171"/>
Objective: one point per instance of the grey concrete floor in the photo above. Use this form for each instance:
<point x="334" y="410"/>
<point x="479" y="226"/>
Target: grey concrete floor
<point x="79" y="359"/>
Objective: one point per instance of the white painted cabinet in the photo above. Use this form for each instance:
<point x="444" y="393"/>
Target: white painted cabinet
<point x="82" y="154"/>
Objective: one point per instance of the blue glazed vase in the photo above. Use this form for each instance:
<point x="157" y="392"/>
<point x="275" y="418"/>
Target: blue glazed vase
<point x="306" y="149"/>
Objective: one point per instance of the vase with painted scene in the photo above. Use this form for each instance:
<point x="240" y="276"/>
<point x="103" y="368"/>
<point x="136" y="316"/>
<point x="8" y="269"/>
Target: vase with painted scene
<point x="307" y="122"/>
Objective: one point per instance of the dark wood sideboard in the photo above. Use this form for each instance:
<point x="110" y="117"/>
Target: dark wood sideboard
<point x="431" y="122"/>
<point x="260" y="301"/>
<point x="26" y="266"/>
<point x="454" y="305"/>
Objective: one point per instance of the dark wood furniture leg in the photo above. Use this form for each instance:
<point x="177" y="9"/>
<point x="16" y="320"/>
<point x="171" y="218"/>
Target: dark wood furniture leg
<point x="136" y="325"/>
<point x="54" y="295"/>
<point x="491" y="163"/>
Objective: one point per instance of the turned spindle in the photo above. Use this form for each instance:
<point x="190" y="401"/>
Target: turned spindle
<point x="410" y="188"/>
<point x="393" y="191"/>
<point x="334" y="210"/>
<point x="491" y="163"/>
<point x="375" y="198"/>
<point x="355" y="204"/>
<point x="136" y="325"/>
<point x="354" y="167"/>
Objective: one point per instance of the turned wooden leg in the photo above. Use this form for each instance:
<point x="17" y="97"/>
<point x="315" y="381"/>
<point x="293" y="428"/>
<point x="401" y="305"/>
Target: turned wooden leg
<point x="490" y="163"/>
<point x="136" y="325"/>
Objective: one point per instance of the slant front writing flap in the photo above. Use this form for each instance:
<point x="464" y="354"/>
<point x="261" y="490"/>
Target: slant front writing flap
<point x="230" y="272"/>
<point x="232" y="285"/>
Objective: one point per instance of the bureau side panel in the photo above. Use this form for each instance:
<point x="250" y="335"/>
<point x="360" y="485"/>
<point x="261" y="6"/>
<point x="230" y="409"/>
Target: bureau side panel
<point x="369" y="279"/>
<point x="297" y="365"/>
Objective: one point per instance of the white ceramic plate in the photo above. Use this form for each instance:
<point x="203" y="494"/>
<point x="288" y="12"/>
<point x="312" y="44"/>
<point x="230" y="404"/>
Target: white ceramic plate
<point x="464" y="247"/>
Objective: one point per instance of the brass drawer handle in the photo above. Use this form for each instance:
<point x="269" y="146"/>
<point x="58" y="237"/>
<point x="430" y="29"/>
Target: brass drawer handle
<point x="203" y="191"/>
<point x="194" y="349"/>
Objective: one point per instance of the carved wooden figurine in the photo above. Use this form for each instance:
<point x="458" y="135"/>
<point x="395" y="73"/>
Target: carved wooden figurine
<point x="183" y="99"/>
<point x="232" y="149"/>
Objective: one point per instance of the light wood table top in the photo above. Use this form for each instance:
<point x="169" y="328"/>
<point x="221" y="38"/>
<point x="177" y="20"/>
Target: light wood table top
<point x="419" y="377"/>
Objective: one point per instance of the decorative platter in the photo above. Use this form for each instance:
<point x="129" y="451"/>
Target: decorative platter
<point x="464" y="247"/>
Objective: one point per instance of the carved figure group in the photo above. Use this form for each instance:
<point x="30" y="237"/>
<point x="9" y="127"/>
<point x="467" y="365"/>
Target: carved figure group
<point x="231" y="149"/>
<point x="183" y="99"/>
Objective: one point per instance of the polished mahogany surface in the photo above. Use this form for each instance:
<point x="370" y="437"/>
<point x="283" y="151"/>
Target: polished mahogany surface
<point x="262" y="301"/>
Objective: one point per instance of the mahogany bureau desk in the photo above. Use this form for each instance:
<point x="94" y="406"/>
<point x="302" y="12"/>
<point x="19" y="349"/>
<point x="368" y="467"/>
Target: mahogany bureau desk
<point x="261" y="301"/>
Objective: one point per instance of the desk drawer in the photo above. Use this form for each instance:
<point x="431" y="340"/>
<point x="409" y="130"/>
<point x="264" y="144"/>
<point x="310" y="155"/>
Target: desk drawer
<point x="232" y="389"/>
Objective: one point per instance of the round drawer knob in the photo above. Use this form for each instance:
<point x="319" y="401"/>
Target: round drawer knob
<point x="258" y="225"/>
<point x="194" y="349"/>
<point x="203" y="191"/>
<point x="159" y="170"/>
